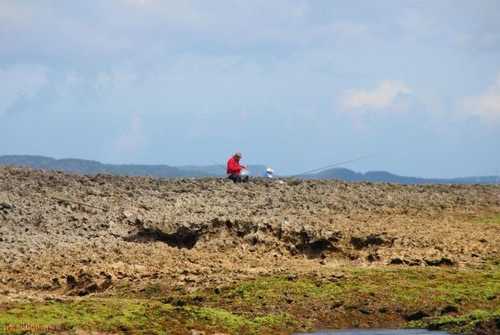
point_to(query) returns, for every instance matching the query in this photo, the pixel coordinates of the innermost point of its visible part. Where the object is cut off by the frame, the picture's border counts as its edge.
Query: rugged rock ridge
(53, 226)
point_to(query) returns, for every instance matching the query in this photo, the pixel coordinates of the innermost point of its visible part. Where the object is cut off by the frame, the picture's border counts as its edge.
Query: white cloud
(486, 106)
(20, 82)
(381, 97)
(104, 31)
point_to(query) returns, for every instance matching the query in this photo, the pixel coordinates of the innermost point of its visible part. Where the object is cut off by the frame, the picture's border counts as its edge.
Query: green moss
(490, 219)
(275, 321)
(276, 288)
(269, 304)
(447, 286)
(462, 324)
(239, 324)
(215, 316)
(410, 287)
(136, 316)
(101, 314)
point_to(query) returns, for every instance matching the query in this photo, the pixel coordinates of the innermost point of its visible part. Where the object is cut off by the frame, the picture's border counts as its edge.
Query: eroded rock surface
(55, 226)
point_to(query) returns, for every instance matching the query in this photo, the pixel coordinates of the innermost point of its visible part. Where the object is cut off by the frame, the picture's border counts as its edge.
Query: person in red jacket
(234, 169)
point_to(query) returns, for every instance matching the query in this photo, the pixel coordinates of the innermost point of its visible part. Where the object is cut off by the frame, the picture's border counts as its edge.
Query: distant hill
(90, 167)
(383, 176)
(93, 167)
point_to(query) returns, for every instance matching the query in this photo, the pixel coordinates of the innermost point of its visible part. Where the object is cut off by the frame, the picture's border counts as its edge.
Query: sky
(292, 84)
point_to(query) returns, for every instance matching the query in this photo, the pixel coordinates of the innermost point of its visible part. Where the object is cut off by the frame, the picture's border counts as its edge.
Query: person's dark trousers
(237, 178)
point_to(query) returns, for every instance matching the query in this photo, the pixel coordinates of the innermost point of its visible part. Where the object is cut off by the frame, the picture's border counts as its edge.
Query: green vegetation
(493, 219)
(408, 287)
(135, 316)
(102, 314)
(238, 324)
(459, 324)
(271, 305)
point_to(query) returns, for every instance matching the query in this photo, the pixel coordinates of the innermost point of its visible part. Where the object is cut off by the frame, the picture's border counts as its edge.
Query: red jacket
(233, 166)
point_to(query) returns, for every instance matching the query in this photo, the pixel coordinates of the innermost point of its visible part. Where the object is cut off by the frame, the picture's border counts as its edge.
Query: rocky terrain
(65, 238)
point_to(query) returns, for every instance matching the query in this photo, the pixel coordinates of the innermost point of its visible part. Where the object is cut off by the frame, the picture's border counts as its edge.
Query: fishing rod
(332, 165)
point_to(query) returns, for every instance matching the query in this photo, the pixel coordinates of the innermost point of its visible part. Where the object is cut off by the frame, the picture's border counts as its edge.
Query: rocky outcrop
(54, 225)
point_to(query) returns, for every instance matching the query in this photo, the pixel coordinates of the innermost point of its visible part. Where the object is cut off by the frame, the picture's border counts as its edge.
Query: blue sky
(292, 84)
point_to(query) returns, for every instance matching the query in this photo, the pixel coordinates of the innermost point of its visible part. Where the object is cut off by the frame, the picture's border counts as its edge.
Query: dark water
(376, 332)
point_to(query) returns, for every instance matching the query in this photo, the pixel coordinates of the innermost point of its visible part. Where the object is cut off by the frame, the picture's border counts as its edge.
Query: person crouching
(234, 169)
